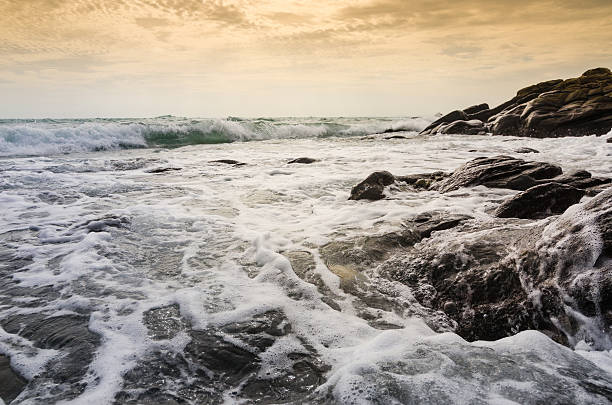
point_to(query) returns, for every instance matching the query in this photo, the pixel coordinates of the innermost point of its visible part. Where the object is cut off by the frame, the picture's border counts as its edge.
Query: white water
(209, 238)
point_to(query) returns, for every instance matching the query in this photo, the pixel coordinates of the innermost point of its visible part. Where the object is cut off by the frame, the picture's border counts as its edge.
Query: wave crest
(48, 137)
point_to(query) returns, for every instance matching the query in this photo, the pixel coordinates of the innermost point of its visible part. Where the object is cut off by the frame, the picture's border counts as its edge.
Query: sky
(251, 58)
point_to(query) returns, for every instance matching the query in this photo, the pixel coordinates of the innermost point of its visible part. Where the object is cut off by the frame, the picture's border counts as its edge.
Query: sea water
(180, 285)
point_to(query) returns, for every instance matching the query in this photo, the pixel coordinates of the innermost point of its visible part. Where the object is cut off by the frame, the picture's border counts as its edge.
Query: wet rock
(228, 162)
(498, 172)
(422, 180)
(395, 137)
(303, 160)
(372, 188)
(159, 170)
(495, 279)
(526, 150)
(540, 201)
(573, 107)
(11, 383)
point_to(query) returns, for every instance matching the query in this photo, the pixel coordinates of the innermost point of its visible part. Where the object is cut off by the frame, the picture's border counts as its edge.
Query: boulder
(573, 107)
(372, 188)
(540, 201)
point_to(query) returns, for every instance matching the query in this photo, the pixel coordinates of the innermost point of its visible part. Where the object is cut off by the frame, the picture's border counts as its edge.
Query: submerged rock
(540, 201)
(159, 170)
(573, 107)
(303, 160)
(228, 162)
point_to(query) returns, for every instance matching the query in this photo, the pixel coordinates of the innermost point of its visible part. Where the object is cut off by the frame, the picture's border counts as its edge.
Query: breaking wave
(49, 137)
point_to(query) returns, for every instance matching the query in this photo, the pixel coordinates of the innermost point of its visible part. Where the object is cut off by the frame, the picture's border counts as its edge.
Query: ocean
(177, 260)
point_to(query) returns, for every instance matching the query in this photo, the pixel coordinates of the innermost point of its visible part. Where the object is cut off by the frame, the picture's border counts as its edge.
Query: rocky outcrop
(493, 172)
(540, 201)
(495, 280)
(573, 107)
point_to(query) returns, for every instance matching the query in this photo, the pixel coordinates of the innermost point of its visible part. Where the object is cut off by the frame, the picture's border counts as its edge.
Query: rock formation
(573, 107)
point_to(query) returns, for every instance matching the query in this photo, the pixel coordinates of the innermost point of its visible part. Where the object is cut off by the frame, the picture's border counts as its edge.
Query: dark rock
(526, 150)
(158, 170)
(498, 172)
(422, 180)
(396, 137)
(471, 127)
(573, 107)
(372, 187)
(476, 108)
(453, 116)
(580, 179)
(540, 201)
(228, 162)
(303, 160)
(495, 280)
(12, 383)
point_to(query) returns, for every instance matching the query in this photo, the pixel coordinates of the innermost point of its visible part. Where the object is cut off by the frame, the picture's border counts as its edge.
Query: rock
(303, 160)
(526, 150)
(422, 180)
(470, 127)
(372, 188)
(580, 179)
(540, 201)
(396, 137)
(495, 280)
(573, 107)
(498, 172)
(158, 170)
(453, 116)
(12, 383)
(476, 108)
(228, 162)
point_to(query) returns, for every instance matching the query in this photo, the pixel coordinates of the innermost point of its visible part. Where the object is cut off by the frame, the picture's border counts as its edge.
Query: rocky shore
(573, 107)
(518, 271)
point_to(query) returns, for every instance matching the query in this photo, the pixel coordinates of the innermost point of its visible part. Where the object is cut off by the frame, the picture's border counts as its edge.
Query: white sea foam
(211, 239)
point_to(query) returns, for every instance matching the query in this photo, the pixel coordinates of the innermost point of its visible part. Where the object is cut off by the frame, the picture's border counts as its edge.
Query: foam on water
(213, 241)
